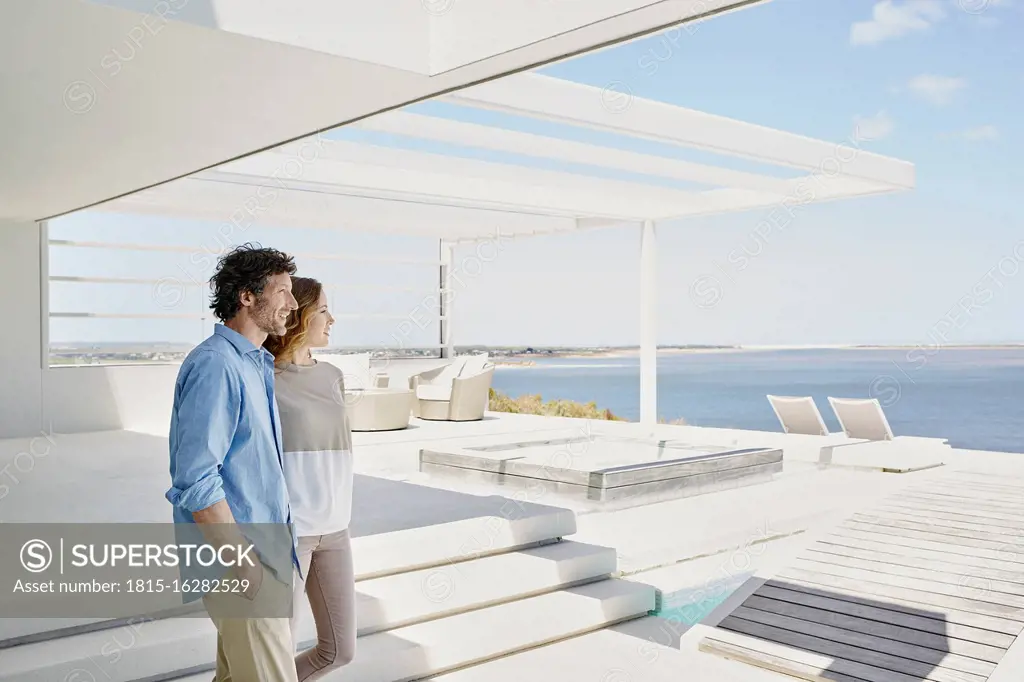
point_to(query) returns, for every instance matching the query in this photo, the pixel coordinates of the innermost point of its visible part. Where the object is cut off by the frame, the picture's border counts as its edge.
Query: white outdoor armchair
(459, 391)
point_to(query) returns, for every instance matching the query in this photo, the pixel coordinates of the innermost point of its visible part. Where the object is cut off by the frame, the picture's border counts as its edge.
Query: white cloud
(868, 128)
(892, 20)
(981, 133)
(938, 90)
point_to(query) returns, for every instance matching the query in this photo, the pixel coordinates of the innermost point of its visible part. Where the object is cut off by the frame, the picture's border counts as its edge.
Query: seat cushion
(434, 391)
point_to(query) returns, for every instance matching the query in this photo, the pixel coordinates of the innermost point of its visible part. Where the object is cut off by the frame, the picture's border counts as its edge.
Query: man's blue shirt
(225, 437)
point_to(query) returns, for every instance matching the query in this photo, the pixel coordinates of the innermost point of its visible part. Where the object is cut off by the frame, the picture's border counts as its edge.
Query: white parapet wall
(137, 397)
(35, 398)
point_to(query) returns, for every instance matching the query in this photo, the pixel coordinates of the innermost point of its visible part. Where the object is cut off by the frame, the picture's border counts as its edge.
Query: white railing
(203, 314)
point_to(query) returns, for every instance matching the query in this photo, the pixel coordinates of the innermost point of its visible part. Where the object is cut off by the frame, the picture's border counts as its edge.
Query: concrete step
(519, 525)
(380, 554)
(642, 650)
(142, 650)
(398, 600)
(468, 639)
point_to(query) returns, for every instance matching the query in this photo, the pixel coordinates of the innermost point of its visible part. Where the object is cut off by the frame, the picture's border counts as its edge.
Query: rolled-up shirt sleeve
(207, 406)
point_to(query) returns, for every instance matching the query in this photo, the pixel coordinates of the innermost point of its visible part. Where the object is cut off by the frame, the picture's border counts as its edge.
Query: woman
(318, 471)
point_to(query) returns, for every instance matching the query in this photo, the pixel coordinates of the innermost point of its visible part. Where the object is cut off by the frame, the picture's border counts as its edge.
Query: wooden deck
(929, 585)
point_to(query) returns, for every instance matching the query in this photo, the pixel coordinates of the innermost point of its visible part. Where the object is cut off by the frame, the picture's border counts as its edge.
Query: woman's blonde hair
(306, 291)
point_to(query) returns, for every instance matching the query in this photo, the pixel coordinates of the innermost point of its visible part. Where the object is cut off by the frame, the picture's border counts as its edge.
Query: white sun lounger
(798, 415)
(866, 440)
(861, 418)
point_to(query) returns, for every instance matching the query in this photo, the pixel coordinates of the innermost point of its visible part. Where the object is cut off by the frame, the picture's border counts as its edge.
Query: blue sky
(939, 83)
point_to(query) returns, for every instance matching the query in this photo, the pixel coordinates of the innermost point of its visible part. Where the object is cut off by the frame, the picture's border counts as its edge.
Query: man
(225, 448)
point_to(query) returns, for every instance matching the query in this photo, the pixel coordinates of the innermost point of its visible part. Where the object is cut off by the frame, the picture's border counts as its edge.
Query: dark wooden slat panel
(825, 647)
(849, 591)
(884, 629)
(925, 600)
(809, 598)
(934, 657)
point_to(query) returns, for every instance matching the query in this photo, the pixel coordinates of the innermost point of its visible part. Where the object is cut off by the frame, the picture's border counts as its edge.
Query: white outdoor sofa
(458, 391)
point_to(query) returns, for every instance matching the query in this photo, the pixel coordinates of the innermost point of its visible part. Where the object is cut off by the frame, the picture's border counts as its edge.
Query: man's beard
(266, 318)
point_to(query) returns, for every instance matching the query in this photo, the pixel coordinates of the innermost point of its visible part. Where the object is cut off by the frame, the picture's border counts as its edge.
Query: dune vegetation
(535, 404)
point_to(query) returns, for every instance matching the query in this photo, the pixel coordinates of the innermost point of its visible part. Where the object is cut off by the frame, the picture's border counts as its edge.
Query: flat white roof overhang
(101, 98)
(364, 186)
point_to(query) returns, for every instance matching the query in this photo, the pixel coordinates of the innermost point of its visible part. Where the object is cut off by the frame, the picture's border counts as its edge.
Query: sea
(972, 397)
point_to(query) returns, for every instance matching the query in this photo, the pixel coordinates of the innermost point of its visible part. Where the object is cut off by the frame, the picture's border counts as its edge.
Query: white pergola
(386, 189)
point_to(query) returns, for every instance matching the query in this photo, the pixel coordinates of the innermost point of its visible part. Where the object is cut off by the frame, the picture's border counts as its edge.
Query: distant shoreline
(633, 352)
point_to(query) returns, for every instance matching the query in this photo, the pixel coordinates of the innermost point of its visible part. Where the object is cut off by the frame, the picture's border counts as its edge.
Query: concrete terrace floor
(674, 545)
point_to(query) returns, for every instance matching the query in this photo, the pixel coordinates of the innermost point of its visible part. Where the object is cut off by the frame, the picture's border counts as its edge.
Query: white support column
(21, 344)
(445, 296)
(648, 325)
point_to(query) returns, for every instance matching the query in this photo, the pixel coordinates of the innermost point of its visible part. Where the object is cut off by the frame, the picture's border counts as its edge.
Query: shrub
(534, 404)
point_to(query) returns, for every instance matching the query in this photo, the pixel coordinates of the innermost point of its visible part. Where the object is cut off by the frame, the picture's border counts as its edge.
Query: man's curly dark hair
(245, 268)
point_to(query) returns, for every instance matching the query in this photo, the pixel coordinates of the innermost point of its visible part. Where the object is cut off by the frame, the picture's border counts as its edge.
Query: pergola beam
(236, 206)
(568, 151)
(359, 167)
(553, 99)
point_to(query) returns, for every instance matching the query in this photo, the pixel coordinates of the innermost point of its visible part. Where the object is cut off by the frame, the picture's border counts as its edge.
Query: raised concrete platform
(601, 468)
